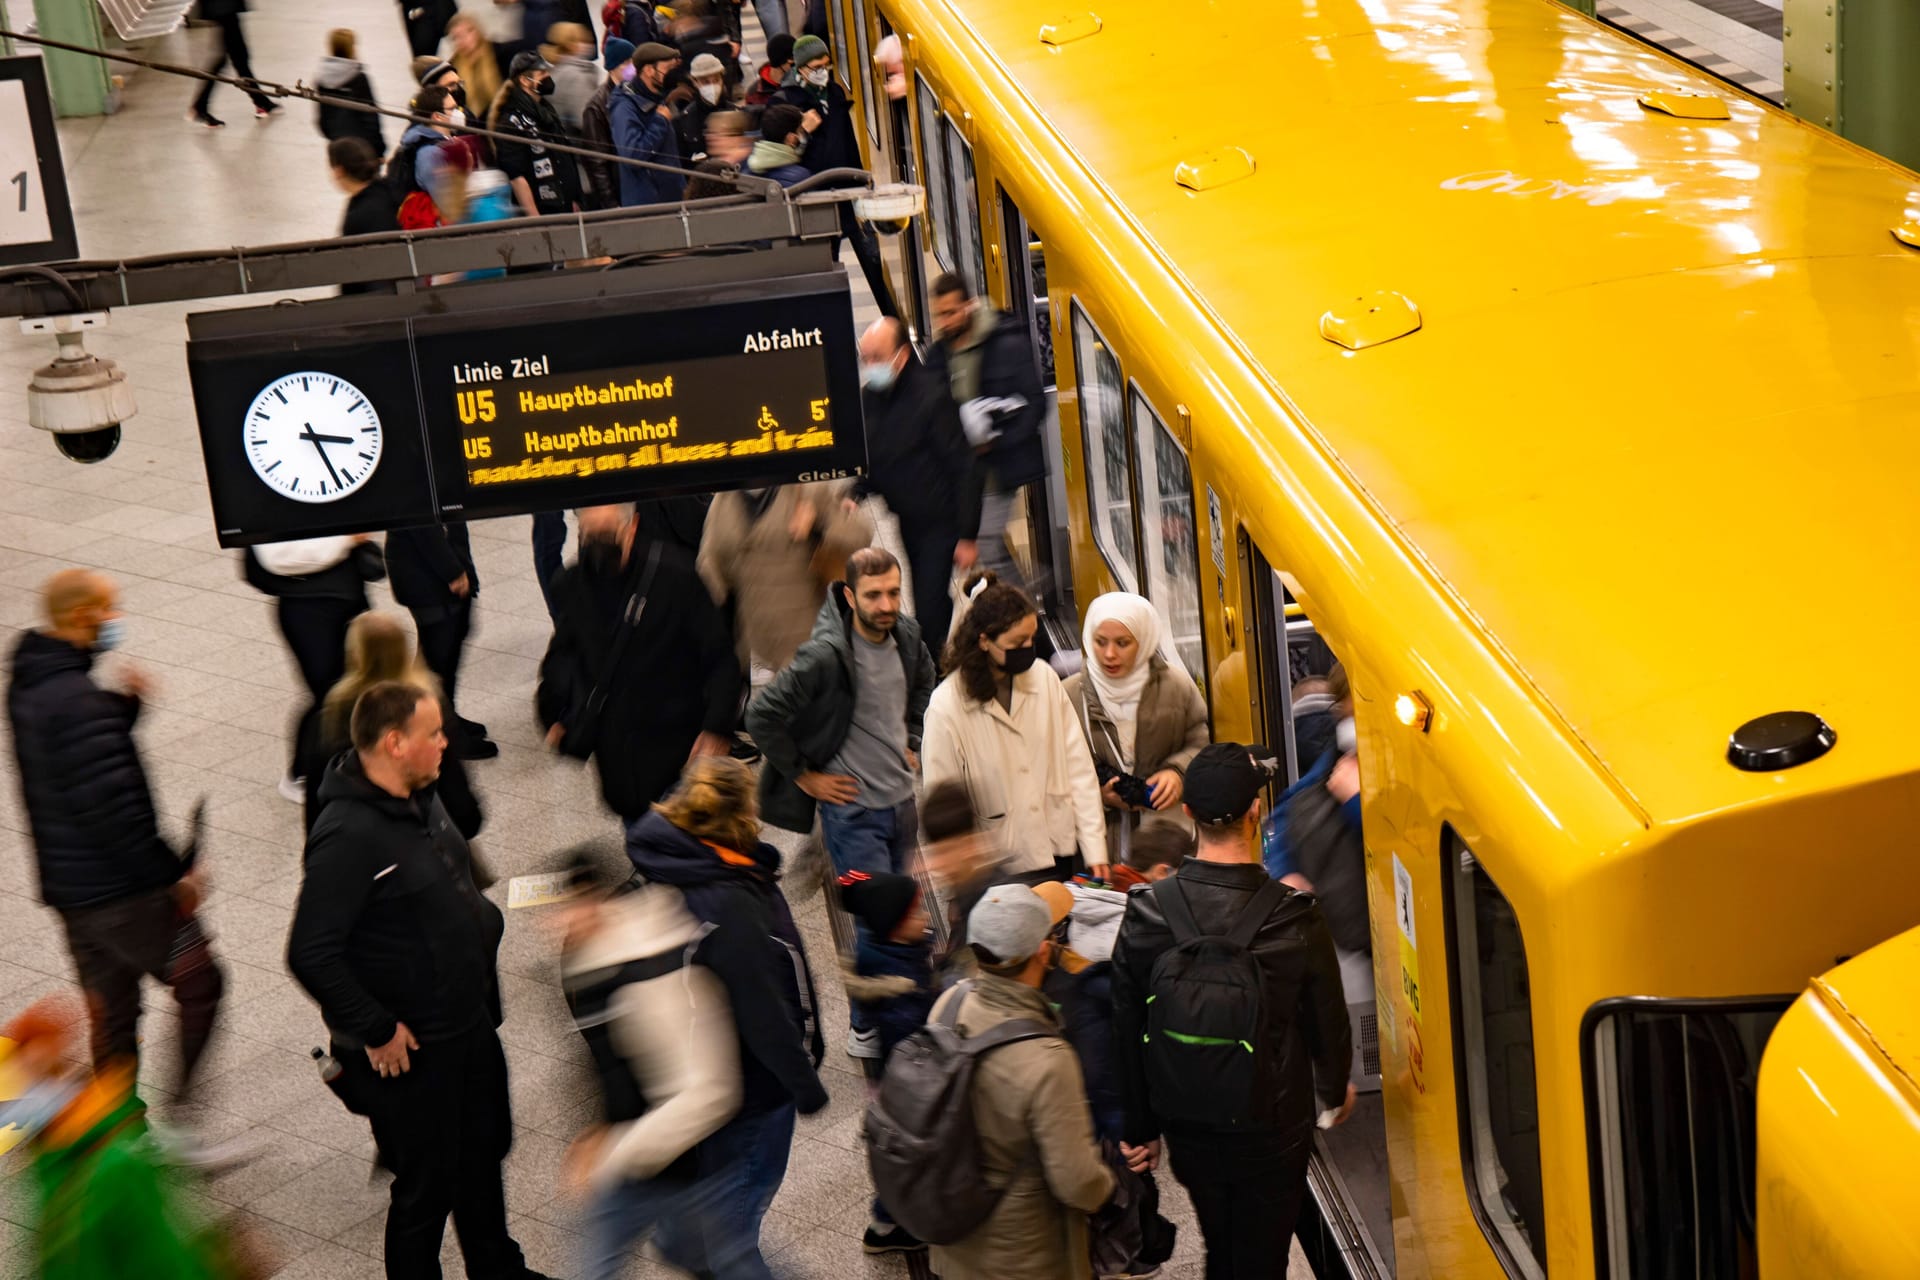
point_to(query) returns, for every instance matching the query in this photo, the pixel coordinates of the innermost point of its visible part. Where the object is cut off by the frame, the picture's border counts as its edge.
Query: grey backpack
(922, 1147)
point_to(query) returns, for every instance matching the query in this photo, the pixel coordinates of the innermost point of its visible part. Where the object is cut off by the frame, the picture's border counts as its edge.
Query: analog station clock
(313, 437)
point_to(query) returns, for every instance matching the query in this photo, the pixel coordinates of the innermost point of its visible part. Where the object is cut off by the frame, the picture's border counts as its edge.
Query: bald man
(919, 461)
(126, 897)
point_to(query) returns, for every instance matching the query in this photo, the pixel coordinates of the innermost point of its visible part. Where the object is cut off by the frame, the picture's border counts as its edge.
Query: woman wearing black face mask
(1001, 725)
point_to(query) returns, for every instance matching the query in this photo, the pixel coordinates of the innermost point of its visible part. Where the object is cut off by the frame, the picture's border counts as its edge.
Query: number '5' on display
(820, 410)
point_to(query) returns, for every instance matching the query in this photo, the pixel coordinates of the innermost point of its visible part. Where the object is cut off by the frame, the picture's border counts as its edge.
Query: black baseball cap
(1226, 778)
(525, 63)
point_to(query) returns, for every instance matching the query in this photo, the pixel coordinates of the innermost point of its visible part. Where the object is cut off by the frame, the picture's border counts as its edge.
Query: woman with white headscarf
(1142, 715)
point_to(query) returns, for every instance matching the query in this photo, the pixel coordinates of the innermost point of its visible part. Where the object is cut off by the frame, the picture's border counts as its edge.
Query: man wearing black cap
(642, 115)
(544, 180)
(1232, 1083)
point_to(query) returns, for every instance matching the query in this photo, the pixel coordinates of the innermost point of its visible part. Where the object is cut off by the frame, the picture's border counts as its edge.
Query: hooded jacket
(800, 720)
(778, 161)
(1001, 348)
(95, 836)
(575, 81)
(402, 169)
(347, 78)
(754, 949)
(389, 926)
(748, 555)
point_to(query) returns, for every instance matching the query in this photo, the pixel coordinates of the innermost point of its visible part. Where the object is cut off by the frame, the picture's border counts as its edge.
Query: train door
(1349, 1231)
(891, 120)
(1037, 534)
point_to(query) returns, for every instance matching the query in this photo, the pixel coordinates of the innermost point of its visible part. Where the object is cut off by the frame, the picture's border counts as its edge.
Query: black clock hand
(308, 434)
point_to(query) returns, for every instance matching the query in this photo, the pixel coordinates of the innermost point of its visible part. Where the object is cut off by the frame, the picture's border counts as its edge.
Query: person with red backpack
(1230, 1023)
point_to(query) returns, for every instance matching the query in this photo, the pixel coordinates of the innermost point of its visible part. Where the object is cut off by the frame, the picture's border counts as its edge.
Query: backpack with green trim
(1209, 1045)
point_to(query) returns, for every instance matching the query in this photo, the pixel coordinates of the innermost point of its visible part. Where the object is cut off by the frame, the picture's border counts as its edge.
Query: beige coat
(767, 573)
(1169, 732)
(1036, 1140)
(1026, 768)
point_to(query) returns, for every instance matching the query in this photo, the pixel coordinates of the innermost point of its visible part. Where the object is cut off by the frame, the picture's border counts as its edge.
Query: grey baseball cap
(1011, 921)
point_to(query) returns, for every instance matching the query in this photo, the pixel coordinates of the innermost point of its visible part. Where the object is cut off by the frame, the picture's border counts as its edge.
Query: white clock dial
(313, 437)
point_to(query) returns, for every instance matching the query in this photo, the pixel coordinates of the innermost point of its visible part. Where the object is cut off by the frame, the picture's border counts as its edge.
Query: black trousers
(233, 49)
(866, 248)
(426, 21)
(315, 629)
(1246, 1219)
(443, 639)
(443, 1128)
(930, 557)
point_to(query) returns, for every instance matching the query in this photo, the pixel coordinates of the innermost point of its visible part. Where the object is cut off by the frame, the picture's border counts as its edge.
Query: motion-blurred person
(777, 154)
(576, 73)
(918, 460)
(1313, 841)
(435, 579)
(342, 76)
(667, 1055)
(225, 14)
(707, 74)
(472, 55)
(640, 674)
(1142, 714)
(318, 585)
(379, 651)
(774, 72)
(126, 899)
(544, 180)
(426, 21)
(841, 727)
(772, 554)
(1001, 723)
(642, 115)
(704, 840)
(699, 32)
(995, 380)
(887, 55)
(1239, 1129)
(962, 863)
(418, 158)
(1029, 1107)
(727, 141)
(601, 190)
(397, 946)
(371, 204)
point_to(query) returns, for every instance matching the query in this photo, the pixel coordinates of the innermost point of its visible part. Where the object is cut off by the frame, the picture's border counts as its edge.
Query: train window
(1671, 1119)
(1493, 1038)
(934, 166)
(1103, 425)
(842, 65)
(966, 211)
(872, 80)
(1170, 542)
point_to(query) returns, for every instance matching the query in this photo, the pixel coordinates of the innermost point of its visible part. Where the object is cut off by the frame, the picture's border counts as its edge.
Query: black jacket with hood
(917, 454)
(800, 721)
(347, 78)
(1015, 457)
(389, 926)
(95, 835)
(754, 948)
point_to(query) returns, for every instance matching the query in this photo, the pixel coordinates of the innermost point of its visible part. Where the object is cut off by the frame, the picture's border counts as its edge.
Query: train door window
(842, 64)
(965, 203)
(872, 81)
(1493, 1037)
(1291, 679)
(1672, 1128)
(1103, 426)
(934, 167)
(1033, 527)
(1169, 536)
(906, 168)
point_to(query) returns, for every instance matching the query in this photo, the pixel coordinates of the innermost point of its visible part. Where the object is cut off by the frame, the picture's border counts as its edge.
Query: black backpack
(922, 1147)
(1209, 1041)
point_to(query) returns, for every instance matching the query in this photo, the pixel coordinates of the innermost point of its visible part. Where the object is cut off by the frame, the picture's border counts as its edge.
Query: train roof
(1659, 432)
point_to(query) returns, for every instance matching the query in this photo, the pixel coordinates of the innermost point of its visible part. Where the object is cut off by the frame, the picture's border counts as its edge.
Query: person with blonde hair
(704, 839)
(473, 56)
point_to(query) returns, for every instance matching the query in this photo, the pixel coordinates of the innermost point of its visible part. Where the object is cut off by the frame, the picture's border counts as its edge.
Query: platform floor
(144, 181)
(1738, 40)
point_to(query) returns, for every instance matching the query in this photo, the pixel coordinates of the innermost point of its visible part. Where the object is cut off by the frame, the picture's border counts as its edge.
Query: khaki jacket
(1171, 729)
(1036, 1140)
(769, 576)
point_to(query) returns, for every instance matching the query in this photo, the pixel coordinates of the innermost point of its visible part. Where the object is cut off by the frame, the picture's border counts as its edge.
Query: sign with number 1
(36, 222)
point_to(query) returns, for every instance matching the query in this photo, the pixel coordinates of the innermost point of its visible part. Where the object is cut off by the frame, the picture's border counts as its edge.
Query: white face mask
(817, 76)
(1345, 736)
(711, 92)
(457, 118)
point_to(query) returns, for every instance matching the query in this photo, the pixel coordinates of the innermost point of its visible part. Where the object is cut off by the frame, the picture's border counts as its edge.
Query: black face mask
(546, 88)
(600, 557)
(459, 93)
(1018, 660)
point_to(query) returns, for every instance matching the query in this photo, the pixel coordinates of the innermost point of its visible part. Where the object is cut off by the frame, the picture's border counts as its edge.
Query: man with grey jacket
(840, 728)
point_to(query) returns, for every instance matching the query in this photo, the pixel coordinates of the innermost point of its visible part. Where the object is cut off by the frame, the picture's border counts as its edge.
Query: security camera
(891, 208)
(82, 399)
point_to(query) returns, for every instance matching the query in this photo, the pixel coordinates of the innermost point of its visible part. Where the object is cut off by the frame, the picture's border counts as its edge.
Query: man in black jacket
(127, 899)
(672, 690)
(1246, 1172)
(918, 460)
(543, 180)
(434, 578)
(396, 944)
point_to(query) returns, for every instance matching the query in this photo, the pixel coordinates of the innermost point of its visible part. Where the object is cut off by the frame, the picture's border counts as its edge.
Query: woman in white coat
(1001, 725)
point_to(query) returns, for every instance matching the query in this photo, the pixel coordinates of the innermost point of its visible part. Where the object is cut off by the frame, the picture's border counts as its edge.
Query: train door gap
(905, 248)
(1347, 1230)
(1038, 534)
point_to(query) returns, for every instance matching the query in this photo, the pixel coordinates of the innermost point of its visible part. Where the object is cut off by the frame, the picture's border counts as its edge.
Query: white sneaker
(863, 1044)
(293, 790)
(185, 1149)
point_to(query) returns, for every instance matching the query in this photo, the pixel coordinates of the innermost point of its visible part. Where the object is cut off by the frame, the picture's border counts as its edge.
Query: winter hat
(779, 50)
(880, 900)
(706, 65)
(435, 68)
(618, 51)
(807, 48)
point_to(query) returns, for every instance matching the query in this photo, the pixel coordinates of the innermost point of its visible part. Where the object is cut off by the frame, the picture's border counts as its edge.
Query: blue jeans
(869, 840)
(705, 1237)
(747, 1159)
(549, 542)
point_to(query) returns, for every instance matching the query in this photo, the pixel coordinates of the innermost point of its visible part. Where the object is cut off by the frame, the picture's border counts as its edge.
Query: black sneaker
(472, 728)
(477, 748)
(205, 119)
(890, 1239)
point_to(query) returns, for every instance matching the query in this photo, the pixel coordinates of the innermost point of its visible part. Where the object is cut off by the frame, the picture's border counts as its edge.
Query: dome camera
(891, 208)
(82, 399)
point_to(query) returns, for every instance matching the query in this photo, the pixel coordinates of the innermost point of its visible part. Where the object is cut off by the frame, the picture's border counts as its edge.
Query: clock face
(313, 437)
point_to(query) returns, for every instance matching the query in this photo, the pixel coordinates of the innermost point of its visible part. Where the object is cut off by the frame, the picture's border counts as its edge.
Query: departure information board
(521, 401)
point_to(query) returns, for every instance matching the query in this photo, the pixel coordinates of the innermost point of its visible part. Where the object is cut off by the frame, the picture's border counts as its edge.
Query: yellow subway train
(1569, 397)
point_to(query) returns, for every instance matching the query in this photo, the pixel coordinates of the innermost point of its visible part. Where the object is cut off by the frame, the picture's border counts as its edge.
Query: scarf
(1120, 695)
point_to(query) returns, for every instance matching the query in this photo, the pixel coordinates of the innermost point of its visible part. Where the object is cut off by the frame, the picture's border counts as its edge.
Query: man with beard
(544, 180)
(840, 727)
(640, 674)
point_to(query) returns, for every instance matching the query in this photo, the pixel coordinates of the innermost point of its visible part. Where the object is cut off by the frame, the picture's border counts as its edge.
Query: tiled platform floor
(144, 182)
